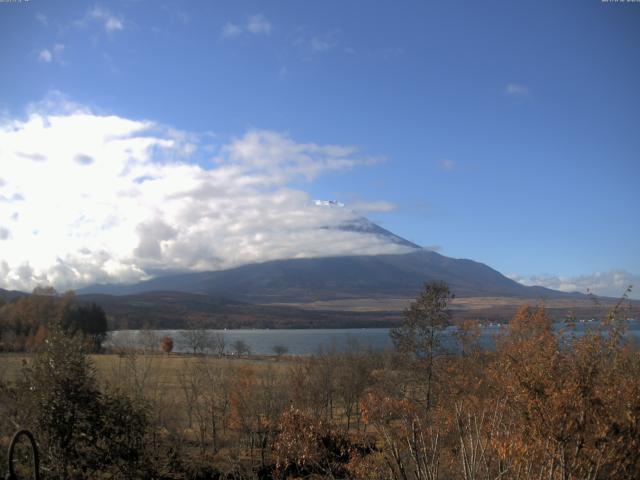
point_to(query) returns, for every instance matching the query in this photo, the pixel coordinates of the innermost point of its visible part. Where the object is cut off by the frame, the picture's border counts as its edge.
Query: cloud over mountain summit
(88, 197)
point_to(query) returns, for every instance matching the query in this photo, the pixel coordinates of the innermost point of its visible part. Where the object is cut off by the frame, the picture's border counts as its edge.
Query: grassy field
(166, 368)
(482, 309)
(398, 304)
(178, 393)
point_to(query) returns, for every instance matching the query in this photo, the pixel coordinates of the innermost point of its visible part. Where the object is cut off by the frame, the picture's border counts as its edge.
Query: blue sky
(504, 132)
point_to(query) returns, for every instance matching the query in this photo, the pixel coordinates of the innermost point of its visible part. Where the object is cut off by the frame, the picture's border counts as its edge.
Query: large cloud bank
(88, 198)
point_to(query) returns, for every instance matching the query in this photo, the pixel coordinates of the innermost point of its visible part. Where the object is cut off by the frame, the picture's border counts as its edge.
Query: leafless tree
(197, 337)
(353, 377)
(240, 347)
(220, 344)
(280, 350)
(148, 340)
(419, 336)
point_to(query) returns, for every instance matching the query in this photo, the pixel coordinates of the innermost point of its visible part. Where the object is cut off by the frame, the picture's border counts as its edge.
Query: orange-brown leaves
(166, 344)
(568, 396)
(298, 440)
(306, 446)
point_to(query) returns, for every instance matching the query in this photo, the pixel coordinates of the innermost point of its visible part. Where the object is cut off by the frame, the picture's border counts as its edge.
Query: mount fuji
(340, 277)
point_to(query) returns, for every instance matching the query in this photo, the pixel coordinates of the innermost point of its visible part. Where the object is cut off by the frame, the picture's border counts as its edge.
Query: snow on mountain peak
(328, 203)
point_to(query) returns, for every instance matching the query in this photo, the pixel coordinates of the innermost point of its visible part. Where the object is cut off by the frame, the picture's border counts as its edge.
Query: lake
(310, 341)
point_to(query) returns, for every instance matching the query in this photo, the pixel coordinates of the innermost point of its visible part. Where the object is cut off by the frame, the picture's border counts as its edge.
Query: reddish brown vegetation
(166, 344)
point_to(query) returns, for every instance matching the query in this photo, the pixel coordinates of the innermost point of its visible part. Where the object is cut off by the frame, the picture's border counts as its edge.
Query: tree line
(26, 320)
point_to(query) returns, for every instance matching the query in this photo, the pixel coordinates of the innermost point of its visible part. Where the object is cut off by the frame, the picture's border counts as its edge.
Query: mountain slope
(308, 279)
(364, 225)
(8, 295)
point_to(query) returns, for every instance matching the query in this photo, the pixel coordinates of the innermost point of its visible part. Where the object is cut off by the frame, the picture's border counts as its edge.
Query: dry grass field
(398, 304)
(180, 389)
(482, 309)
(167, 368)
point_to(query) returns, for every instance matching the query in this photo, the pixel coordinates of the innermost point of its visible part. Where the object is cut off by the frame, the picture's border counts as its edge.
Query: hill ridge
(322, 278)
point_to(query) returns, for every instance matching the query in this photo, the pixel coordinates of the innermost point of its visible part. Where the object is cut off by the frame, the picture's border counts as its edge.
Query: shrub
(166, 344)
(80, 429)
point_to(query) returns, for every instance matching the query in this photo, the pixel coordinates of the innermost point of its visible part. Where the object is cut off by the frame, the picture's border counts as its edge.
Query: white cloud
(322, 43)
(42, 19)
(110, 22)
(256, 25)
(517, 90)
(113, 24)
(54, 53)
(259, 25)
(610, 284)
(230, 30)
(45, 56)
(98, 198)
(309, 43)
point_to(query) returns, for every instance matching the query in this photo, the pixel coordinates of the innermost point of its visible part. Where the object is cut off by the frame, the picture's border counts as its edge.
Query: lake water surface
(310, 341)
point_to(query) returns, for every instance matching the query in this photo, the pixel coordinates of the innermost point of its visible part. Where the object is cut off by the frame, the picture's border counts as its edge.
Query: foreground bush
(82, 431)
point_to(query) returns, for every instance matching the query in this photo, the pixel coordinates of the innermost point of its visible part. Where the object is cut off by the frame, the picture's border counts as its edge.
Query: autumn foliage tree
(305, 447)
(25, 320)
(574, 399)
(166, 344)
